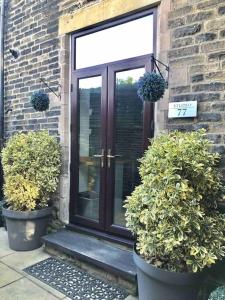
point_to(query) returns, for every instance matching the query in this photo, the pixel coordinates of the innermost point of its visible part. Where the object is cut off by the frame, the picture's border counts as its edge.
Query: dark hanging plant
(151, 87)
(40, 101)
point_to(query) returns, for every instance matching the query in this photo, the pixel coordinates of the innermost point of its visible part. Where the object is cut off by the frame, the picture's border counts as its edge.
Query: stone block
(209, 4)
(215, 138)
(185, 51)
(164, 45)
(180, 90)
(64, 209)
(215, 24)
(209, 117)
(187, 30)
(200, 97)
(201, 16)
(213, 46)
(219, 149)
(197, 78)
(218, 106)
(181, 11)
(188, 127)
(64, 56)
(102, 11)
(182, 42)
(213, 86)
(221, 10)
(189, 60)
(222, 33)
(205, 37)
(178, 76)
(217, 55)
(176, 22)
(215, 75)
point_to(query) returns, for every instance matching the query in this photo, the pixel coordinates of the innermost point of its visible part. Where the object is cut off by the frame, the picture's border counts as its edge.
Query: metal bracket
(155, 66)
(46, 84)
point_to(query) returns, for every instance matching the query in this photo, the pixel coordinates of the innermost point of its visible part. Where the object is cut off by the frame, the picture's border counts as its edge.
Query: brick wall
(197, 61)
(32, 29)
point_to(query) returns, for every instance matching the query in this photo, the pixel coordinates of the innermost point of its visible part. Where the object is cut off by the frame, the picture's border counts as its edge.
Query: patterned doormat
(73, 282)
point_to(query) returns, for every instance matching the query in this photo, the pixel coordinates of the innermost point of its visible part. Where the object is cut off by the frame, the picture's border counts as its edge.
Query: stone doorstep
(94, 256)
(14, 281)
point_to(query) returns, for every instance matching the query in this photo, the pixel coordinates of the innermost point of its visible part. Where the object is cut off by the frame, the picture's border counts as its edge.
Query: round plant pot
(158, 284)
(25, 228)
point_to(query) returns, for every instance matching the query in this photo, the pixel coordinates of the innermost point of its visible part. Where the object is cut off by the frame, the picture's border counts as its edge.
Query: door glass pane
(128, 138)
(123, 41)
(89, 146)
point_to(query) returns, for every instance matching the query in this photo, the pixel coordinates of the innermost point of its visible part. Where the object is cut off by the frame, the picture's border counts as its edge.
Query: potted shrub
(173, 214)
(31, 166)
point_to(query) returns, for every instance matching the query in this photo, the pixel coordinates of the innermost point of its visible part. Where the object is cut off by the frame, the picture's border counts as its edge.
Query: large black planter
(158, 284)
(1, 217)
(25, 228)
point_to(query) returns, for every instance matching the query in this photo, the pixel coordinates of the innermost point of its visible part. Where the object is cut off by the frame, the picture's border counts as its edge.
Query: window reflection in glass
(128, 138)
(89, 145)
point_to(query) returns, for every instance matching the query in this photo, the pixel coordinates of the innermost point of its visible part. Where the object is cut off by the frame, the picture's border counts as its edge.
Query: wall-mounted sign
(183, 109)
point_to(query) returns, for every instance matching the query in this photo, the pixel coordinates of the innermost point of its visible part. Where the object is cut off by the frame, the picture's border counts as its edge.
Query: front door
(110, 130)
(110, 124)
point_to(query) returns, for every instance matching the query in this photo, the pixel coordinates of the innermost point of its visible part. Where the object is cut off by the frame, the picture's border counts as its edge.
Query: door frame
(112, 233)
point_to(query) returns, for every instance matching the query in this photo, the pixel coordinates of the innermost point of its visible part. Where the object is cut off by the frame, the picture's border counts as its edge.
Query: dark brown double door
(110, 130)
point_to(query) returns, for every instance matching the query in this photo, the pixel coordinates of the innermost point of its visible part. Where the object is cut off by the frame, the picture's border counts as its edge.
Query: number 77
(180, 111)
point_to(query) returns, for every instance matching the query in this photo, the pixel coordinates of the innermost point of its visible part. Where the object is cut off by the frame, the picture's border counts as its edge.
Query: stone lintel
(105, 10)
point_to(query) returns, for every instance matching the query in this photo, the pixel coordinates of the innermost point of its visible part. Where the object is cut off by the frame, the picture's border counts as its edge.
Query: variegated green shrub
(31, 165)
(173, 211)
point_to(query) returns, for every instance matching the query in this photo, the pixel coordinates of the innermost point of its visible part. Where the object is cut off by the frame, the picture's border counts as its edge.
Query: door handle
(101, 156)
(110, 156)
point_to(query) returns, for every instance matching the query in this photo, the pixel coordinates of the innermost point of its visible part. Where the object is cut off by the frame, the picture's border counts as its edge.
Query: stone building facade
(190, 39)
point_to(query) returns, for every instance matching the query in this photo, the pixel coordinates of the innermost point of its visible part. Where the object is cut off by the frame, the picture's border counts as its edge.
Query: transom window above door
(130, 39)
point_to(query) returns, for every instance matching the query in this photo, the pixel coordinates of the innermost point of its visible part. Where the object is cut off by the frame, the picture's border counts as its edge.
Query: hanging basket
(40, 101)
(151, 87)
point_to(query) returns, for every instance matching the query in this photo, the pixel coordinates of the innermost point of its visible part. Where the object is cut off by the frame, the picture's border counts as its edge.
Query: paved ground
(17, 285)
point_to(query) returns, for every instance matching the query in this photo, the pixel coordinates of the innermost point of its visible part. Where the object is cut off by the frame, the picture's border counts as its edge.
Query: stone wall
(32, 29)
(197, 64)
(190, 37)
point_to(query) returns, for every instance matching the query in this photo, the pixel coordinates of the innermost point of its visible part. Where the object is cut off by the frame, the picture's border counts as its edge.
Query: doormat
(73, 282)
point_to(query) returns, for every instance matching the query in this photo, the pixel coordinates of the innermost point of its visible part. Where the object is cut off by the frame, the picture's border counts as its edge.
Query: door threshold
(102, 235)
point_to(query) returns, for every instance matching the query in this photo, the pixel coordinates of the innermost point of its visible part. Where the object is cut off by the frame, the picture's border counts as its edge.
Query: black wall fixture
(14, 53)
